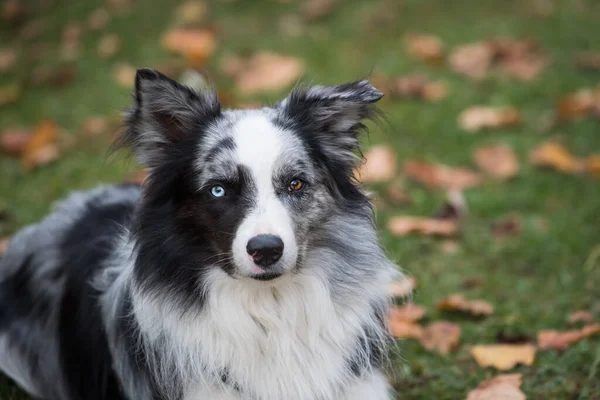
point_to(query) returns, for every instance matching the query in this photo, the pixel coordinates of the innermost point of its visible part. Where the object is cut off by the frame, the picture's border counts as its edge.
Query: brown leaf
(454, 208)
(94, 126)
(472, 60)
(397, 196)
(427, 48)
(9, 94)
(503, 356)
(72, 32)
(475, 118)
(13, 11)
(418, 87)
(41, 149)
(190, 12)
(593, 165)
(589, 61)
(435, 91)
(457, 302)
(408, 312)
(124, 75)
(8, 59)
(232, 65)
(402, 288)
(405, 329)
(497, 161)
(196, 45)
(13, 142)
(402, 226)
(501, 387)
(121, 7)
(441, 176)
(580, 316)
(556, 156)
(380, 165)
(109, 45)
(525, 68)
(442, 336)
(268, 72)
(3, 244)
(316, 9)
(98, 19)
(577, 104)
(507, 226)
(549, 339)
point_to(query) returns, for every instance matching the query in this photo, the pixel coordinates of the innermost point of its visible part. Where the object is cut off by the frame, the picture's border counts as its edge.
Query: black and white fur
(149, 293)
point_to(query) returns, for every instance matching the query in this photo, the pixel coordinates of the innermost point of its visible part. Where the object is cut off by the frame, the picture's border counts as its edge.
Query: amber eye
(295, 185)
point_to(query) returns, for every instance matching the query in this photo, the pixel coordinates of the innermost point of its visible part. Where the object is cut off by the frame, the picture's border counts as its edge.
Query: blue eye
(217, 191)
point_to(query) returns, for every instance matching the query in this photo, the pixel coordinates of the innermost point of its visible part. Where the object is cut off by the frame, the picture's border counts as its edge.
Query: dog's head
(242, 190)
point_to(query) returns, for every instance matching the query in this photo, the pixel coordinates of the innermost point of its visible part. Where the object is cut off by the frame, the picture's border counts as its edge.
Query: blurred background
(486, 172)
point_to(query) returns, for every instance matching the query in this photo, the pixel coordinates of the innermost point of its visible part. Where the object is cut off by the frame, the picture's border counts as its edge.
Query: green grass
(534, 279)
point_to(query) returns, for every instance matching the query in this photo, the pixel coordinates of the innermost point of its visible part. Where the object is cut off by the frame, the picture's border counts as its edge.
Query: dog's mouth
(266, 276)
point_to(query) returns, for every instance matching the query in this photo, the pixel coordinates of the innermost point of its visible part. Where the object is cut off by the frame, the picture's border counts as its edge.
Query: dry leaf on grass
(3, 244)
(501, 387)
(14, 141)
(454, 208)
(526, 68)
(402, 288)
(549, 339)
(405, 329)
(109, 46)
(8, 59)
(401, 226)
(95, 126)
(418, 87)
(497, 161)
(408, 312)
(396, 196)
(503, 356)
(593, 165)
(196, 45)
(578, 104)
(268, 72)
(472, 60)
(588, 61)
(556, 156)
(316, 9)
(427, 48)
(190, 12)
(98, 19)
(379, 165)
(580, 316)
(474, 119)
(441, 336)
(441, 176)
(457, 302)
(41, 148)
(124, 75)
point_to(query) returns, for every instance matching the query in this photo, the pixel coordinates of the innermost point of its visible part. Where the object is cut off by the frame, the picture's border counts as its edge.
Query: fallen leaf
(501, 387)
(94, 126)
(588, 61)
(190, 12)
(556, 156)
(380, 165)
(580, 316)
(121, 7)
(402, 288)
(41, 148)
(9, 94)
(316, 9)
(435, 91)
(109, 45)
(405, 329)
(397, 196)
(8, 59)
(499, 161)
(4, 245)
(455, 206)
(475, 118)
(472, 60)
(427, 48)
(593, 165)
(14, 141)
(504, 356)
(577, 104)
(13, 11)
(268, 72)
(402, 226)
(525, 68)
(450, 246)
(441, 176)
(72, 32)
(441, 336)
(507, 226)
(124, 74)
(506, 48)
(408, 312)
(472, 282)
(232, 65)
(549, 339)
(196, 45)
(457, 302)
(418, 87)
(98, 19)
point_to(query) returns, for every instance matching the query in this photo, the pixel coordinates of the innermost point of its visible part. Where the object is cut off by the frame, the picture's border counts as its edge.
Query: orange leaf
(124, 74)
(14, 141)
(401, 226)
(405, 329)
(580, 316)
(503, 356)
(576, 105)
(408, 312)
(268, 72)
(497, 161)
(197, 45)
(472, 60)
(549, 339)
(441, 176)
(416, 86)
(501, 387)
(593, 165)
(556, 156)
(380, 165)
(442, 336)
(457, 302)
(427, 48)
(402, 288)
(41, 149)
(476, 118)
(589, 61)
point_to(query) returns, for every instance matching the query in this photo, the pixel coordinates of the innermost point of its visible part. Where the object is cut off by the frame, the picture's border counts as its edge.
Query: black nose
(265, 249)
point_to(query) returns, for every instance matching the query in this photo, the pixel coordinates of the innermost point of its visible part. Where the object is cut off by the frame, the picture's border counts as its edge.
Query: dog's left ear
(331, 117)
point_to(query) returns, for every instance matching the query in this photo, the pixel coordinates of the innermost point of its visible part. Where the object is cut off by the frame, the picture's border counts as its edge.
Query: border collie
(247, 265)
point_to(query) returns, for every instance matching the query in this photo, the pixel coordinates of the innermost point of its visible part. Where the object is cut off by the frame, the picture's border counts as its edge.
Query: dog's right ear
(164, 112)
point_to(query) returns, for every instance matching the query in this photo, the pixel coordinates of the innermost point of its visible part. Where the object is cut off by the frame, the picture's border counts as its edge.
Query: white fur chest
(283, 341)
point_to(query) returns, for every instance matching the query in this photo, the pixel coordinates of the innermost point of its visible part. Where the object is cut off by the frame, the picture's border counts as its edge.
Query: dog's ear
(164, 113)
(331, 117)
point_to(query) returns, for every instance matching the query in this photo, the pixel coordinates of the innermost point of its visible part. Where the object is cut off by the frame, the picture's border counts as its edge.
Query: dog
(246, 266)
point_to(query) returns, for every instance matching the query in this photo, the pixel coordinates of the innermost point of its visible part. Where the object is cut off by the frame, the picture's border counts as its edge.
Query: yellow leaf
(556, 156)
(503, 356)
(41, 148)
(441, 336)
